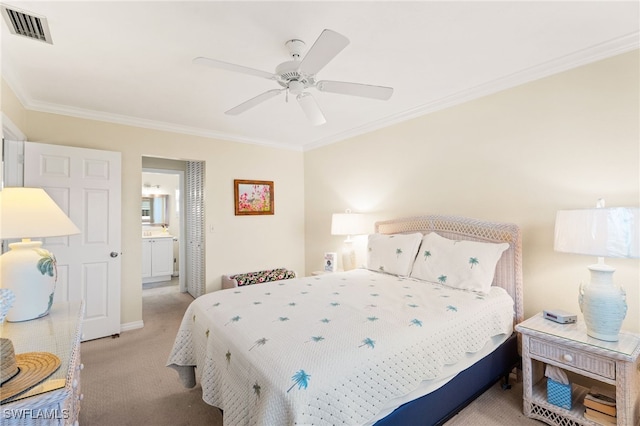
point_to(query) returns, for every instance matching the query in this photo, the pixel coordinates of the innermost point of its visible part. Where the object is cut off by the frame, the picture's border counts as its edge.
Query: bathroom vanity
(157, 258)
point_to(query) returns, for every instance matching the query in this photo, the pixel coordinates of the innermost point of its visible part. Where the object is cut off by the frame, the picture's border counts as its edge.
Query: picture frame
(253, 197)
(330, 262)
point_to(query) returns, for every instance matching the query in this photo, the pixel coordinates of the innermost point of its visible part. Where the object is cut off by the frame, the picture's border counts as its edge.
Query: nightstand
(56, 400)
(567, 346)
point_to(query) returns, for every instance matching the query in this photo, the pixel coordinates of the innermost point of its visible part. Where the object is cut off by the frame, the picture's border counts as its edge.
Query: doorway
(189, 214)
(163, 223)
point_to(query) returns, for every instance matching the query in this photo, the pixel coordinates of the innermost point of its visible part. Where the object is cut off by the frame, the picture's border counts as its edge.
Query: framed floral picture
(253, 197)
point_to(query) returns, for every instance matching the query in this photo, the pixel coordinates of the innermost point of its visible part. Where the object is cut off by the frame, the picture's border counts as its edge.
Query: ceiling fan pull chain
(286, 96)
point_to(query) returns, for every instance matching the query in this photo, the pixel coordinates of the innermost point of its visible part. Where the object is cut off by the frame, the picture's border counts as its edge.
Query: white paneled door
(86, 185)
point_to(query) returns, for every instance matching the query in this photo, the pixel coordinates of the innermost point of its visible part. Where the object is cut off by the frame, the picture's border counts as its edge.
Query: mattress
(332, 349)
(447, 374)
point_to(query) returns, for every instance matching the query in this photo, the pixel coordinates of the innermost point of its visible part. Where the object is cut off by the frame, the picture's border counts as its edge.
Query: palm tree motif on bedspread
(301, 378)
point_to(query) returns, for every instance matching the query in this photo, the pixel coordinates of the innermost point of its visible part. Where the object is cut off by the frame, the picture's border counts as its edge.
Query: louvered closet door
(195, 228)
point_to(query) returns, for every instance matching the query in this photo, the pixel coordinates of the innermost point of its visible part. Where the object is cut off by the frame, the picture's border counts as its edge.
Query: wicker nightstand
(567, 346)
(55, 401)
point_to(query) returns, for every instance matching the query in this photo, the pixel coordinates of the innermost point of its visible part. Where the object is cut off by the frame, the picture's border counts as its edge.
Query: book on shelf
(600, 406)
(603, 407)
(601, 399)
(600, 417)
(605, 396)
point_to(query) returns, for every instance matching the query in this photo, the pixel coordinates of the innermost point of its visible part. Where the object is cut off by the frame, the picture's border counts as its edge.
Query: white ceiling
(131, 62)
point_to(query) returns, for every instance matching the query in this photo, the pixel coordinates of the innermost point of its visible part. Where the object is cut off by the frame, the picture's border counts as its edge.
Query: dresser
(567, 346)
(56, 401)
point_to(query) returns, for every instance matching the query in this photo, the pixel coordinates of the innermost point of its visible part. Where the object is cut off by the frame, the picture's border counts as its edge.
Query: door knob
(114, 254)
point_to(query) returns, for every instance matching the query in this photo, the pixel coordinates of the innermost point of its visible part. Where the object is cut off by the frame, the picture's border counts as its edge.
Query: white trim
(10, 131)
(131, 326)
(546, 69)
(150, 124)
(591, 54)
(13, 163)
(12, 147)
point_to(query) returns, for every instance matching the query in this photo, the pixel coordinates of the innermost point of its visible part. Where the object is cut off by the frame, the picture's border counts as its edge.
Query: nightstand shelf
(568, 347)
(544, 410)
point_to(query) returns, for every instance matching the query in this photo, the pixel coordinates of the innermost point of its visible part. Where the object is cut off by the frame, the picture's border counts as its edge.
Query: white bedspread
(330, 349)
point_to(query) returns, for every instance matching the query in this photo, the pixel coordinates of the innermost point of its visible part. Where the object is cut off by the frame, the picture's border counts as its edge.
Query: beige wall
(516, 156)
(236, 243)
(11, 107)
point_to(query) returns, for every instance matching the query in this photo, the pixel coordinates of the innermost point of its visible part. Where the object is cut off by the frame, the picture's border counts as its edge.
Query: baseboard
(131, 326)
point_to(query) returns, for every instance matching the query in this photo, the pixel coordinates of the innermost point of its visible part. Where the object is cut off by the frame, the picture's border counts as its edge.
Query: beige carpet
(125, 381)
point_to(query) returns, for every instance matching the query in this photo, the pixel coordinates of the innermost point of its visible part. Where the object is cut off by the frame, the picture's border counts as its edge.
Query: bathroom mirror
(155, 209)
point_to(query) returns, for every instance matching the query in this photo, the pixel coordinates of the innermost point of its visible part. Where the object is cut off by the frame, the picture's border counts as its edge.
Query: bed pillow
(393, 254)
(466, 265)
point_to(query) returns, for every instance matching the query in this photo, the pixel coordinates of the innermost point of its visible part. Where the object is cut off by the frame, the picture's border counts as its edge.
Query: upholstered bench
(249, 278)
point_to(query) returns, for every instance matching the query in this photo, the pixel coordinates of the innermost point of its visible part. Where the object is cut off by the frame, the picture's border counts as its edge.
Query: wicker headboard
(509, 268)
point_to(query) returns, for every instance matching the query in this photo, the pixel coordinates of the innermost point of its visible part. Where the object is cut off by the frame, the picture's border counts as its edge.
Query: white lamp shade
(31, 213)
(602, 232)
(348, 224)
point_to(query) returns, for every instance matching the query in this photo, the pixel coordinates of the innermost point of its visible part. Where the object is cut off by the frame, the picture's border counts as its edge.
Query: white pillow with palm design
(392, 254)
(466, 265)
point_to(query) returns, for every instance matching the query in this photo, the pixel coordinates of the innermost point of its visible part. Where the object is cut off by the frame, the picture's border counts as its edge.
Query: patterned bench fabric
(263, 276)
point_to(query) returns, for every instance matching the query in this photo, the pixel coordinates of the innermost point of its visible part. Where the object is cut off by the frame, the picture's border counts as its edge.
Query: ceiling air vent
(27, 24)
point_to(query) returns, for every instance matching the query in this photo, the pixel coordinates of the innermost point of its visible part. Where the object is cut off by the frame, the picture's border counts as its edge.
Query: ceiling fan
(296, 76)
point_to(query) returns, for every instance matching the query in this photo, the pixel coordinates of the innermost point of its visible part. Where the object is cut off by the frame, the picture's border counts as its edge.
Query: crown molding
(576, 59)
(150, 124)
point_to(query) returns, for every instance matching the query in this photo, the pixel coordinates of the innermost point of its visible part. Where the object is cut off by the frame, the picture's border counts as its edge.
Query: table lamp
(27, 269)
(601, 232)
(348, 224)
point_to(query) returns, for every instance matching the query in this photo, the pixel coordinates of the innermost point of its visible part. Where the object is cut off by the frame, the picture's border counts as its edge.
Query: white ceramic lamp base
(348, 256)
(603, 304)
(30, 272)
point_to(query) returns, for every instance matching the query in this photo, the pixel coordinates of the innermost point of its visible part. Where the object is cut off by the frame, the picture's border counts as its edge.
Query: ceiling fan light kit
(296, 76)
(311, 109)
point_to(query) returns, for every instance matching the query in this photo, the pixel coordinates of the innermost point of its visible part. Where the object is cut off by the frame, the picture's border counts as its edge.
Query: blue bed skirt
(442, 404)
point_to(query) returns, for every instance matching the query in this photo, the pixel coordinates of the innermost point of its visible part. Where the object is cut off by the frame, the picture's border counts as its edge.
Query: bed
(398, 342)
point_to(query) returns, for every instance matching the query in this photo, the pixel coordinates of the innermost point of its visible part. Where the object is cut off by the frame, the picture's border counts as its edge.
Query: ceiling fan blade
(355, 89)
(311, 109)
(326, 47)
(214, 63)
(253, 102)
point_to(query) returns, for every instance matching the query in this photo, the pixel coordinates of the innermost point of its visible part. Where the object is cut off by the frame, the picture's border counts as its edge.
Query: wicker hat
(21, 372)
